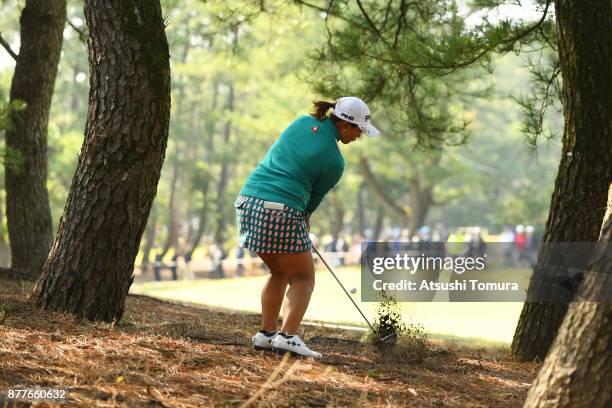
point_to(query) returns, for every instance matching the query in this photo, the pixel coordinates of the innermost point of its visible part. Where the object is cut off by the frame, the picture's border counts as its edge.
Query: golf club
(388, 339)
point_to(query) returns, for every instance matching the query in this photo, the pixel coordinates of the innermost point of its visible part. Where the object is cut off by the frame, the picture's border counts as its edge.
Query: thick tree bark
(89, 270)
(27, 200)
(577, 371)
(585, 170)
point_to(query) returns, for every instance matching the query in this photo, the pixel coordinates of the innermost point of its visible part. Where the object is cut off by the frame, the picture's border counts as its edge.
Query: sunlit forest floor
(172, 355)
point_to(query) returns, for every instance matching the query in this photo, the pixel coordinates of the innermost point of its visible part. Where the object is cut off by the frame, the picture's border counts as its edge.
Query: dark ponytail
(320, 108)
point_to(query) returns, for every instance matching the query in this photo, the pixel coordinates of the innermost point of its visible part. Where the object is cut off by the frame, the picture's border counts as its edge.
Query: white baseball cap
(354, 110)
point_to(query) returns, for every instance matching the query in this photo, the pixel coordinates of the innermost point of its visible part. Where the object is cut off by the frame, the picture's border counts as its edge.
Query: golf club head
(389, 339)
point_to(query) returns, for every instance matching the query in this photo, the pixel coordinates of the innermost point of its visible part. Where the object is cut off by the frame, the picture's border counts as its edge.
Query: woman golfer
(274, 208)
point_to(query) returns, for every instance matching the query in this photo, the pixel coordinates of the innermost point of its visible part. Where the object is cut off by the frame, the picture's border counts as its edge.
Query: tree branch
(378, 191)
(371, 23)
(304, 3)
(329, 32)
(81, 33)
(388, 9)
(504, 45)
(547, 40)
(402, 11)
(509, 43)
(536, 26)
(327, 10)
(8, 48)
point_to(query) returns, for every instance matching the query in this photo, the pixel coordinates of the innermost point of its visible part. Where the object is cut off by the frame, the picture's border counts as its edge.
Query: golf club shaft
(342, 286)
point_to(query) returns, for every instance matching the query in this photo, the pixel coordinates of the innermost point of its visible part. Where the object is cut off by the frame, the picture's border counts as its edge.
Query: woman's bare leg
(298, 270)
(272, 294)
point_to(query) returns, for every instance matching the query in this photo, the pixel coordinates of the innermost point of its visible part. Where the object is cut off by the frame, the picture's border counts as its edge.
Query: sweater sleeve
(327, 180)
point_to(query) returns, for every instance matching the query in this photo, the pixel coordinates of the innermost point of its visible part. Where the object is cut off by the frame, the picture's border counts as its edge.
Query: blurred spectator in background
(439, 233)
(157, 267)
(174, 261)
(533, 243)
(328, 243)
(395, 237)
(424, 234)
(455, 243)
(216, 256)
(476, 245)
(341, 247)
(187, 271)
(240, 258)
(507, 244)
(405, 235)
(424, 238)
(520, 244)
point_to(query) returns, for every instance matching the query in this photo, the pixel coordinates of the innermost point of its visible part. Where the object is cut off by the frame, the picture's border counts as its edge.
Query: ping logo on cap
(344, 115)
(314, 129)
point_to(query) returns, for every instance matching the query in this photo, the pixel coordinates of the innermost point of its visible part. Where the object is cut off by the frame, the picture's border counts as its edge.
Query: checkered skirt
(268, 230)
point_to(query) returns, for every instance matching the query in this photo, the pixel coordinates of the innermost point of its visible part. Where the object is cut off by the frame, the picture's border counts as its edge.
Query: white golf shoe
(293, 344)
(263, 340)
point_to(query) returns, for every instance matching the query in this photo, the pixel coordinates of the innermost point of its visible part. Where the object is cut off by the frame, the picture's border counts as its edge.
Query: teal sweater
(301, 167)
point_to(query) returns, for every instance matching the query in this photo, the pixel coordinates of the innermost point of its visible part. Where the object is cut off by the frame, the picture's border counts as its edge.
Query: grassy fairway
(480, 323)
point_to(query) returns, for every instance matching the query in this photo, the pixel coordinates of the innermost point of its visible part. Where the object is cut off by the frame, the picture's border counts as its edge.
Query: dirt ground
(172, 355)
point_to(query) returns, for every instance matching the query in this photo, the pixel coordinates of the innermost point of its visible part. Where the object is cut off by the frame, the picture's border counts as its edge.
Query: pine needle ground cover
(173, 355)
(476, 323)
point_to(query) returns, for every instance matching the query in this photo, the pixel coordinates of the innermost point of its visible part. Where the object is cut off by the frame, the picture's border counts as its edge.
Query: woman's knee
(306, 281)
(311, 285)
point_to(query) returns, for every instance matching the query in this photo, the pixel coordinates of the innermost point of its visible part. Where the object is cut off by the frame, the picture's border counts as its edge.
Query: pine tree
(89, 269)
(28, 212)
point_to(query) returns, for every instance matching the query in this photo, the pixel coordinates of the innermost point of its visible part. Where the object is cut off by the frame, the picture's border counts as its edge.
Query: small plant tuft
(412, 344)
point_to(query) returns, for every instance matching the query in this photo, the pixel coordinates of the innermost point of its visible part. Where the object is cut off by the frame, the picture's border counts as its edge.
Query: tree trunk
(421, 199)
(224, 177)
(202, 223)
(338, 220)
(204, 187)
(584, 172)
(5, 250)
(578, 370)
(173, 216)
(222, 207)
(27, 200)
(379, 224)
(360, 212)
(378, 192)
(90, 268)
(150, 233)
(196, 134)
(172, 236)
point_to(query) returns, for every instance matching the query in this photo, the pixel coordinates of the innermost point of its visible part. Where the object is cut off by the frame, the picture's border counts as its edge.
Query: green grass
(475, 323)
